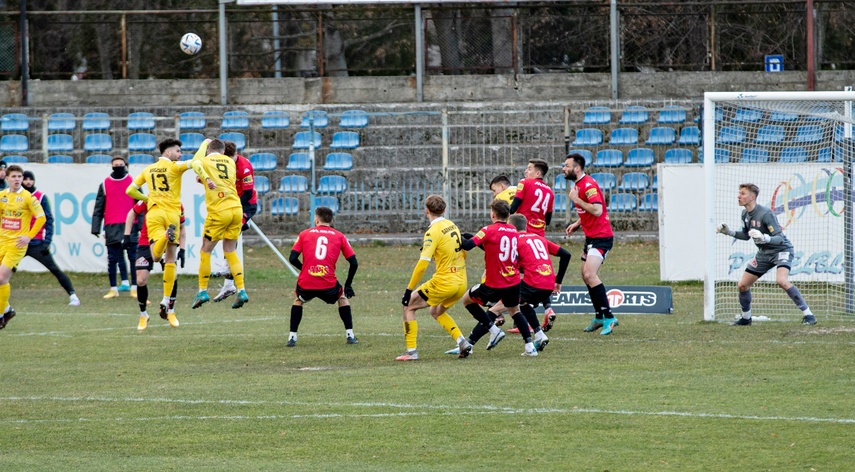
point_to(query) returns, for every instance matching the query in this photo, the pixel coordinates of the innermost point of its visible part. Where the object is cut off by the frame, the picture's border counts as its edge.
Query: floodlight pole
(613, 28)
(420, 54)
(25, 55)
(224, 55)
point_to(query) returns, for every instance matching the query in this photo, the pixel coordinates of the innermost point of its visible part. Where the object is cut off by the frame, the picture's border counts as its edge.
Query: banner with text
(623, 299)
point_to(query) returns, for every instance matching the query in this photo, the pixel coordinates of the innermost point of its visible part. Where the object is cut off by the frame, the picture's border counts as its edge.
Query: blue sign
(622, 299)
(775, 63)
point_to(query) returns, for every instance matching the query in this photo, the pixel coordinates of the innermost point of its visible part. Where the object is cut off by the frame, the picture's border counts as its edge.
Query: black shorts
(534, 296)
(329, 295)
(144, 260)
(482, 294)
(601, 245)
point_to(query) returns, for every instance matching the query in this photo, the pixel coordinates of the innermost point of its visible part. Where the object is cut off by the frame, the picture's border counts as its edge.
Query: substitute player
(599, 238)
(320, 246)
(773, 250)
(18, 207)
(442, 244)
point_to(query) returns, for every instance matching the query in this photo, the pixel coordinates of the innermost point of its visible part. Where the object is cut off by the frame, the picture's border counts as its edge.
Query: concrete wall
(355, 90)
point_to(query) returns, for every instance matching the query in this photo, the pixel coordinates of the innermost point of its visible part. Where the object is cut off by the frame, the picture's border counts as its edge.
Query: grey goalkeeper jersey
(764, 220)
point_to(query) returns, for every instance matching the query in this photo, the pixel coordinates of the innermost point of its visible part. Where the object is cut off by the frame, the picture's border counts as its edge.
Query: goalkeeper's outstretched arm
(724, 229)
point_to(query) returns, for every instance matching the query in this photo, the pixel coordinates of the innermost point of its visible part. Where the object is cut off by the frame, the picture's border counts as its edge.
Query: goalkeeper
(773, 250)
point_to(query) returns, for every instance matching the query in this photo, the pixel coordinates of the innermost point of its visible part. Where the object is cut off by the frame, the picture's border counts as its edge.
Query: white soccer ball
(191, 43)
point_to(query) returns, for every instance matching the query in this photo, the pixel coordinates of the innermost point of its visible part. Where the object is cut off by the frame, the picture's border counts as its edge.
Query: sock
(125, 282)
(529, 346)
(142, 297)
(411, 332)
(447, 322)
(292, 335)
(478, 332)
(168, 279)
(349, 333)
(479, 314)
(114, 288)
(530, 317)
(229, 283)
(346, 318)
(296, 317)
(133, 287)
(797, 298)
(143, 314)
(521, 324)
(174, 295)
(236, 269)
(158, 247)
(600, 301)
(204, 269)
(745, 303)
(5, 292)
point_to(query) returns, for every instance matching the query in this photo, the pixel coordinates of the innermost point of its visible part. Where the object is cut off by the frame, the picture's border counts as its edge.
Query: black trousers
(41, 253)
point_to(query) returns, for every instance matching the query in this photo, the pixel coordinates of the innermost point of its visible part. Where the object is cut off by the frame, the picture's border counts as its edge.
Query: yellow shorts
(10, 256)
(157, 220)
(224, 224)
(443, 292)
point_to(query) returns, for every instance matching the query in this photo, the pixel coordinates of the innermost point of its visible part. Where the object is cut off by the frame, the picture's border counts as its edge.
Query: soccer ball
(191, 43)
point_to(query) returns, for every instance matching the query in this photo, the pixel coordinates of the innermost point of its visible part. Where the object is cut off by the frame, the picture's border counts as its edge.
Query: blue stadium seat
(14, 143)
(561, 201)
(639, 157)
(655, 184)
(793, 154)
(663, 136)
(275, 119)
(678, 156)
(96, 121)
(141, 121)
(293, 184)
(60, 143)
(634, 181)
(719, 114)
(284, 206)
(808, 134)
(61, 122)
(755, 155)
(624, 137)
(649, 202)
(672, 114)
(588, 155)
(825, 155)
(328, 201)
(819, 109)
(140, 159)
(16, 159)
(588, 137)
(98, 142)
(722, 156)
(60, 159)
(338, 161)
(319, 119)
(235, 119)
(770, 134)
(609, 158)
(262, 184)
(690, 136)
(263, 161)
(783, 117)
(345, 140)
(332, 184)
(747, 115)
(142, 142)
(299, 161)
(634, 115)
(14, 123)
(606, 180)
(597, 116)
(191, 141)
(560, 184)
(622, 202)
(354, 119)
(731, 135)
(238, 138)
(303, 139)
(99, 159)
(191, 120)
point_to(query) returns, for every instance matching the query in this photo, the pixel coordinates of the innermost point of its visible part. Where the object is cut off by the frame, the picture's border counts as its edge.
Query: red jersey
(320, 247)
(244, 179)
(593, 226)
(499, 241)
(140, 208)
(537, 199)
(534, 261)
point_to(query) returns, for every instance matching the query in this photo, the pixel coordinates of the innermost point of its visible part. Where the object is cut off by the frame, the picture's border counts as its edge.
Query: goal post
(798, 148)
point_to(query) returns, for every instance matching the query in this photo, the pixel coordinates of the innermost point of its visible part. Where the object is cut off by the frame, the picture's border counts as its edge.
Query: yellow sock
(157, 249)
(168, 278)
(204, 269)
(236, 268)
(411, 332)
(5, 291)
(447, 322)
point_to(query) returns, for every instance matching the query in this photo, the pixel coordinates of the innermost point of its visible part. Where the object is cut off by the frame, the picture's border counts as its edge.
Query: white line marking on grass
(68, 333)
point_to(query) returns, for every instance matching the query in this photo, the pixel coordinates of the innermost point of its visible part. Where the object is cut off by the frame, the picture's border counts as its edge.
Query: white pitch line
(67, 333)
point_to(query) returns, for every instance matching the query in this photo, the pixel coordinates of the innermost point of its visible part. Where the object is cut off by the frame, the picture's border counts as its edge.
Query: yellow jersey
(164, 183)
(507, 195)
(220, 169)
(442, 244)
(17, 210)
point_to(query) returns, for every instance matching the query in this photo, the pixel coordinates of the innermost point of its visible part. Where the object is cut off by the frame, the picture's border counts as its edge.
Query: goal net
(797, 147)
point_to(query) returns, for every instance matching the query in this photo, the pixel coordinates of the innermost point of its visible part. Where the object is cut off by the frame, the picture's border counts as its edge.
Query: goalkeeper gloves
(724, 229)
(180, 257)
(758, 237)
(348, 292)
(126, 242)
(405, 300)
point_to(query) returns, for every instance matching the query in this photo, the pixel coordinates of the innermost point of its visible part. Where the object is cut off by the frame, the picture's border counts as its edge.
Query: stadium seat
(793, 154)
(142, 142)
(284, 206)
(263, 161)
(98, 142)
(622, 202)
(140, 159)
(722, 156)
(262, 184)
(99, 159)
(561, 201)
(14, 143)
(235, 120)
(825, 155)
(639, 157)
(672, 114)
(783, 117)
(16, 159)
(14, 123)
(690, 136)
(817, 110)
(649, 202)
(332, 184)
(624, 137)
(808, 134)
(609, 158)
(634, 181)
(588, 155)
(141, 121)
(597, 116)
(191, 141)
(61, 122)
(634, 115)
(275, 119)
(662, 136)
(678, 156)
(192, 120)
(747, 115)
(60, 143)
(60, 159)
(236, 137)
(345, 140)
(354, 119)
(302, 140)
(655, 184)
(731, 135)
(840, 133)
(606, 180)
(319, 119)
(293, 184)
(299, 161)
(338, 161)
(96, 121)
(719, 114)
(560, 184)
(770, 134)
(328, 201)
(588, 137)
(755, 155)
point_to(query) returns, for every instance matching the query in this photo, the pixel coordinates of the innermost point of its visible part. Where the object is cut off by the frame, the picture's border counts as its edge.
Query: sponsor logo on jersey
(544, 269)
(771, 229)
(508, 271)
(590, 192)
(318, 270)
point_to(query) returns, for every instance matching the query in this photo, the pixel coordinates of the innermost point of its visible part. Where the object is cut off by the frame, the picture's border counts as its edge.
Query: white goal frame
(709, 145)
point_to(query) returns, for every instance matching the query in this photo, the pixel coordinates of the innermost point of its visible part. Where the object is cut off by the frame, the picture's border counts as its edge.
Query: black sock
(479, 314)
(530, 316)
(600, 301)
(478, 332)
(346, 318)
(174, 294)
(142, 297)
(296, 317)
(522, 325)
